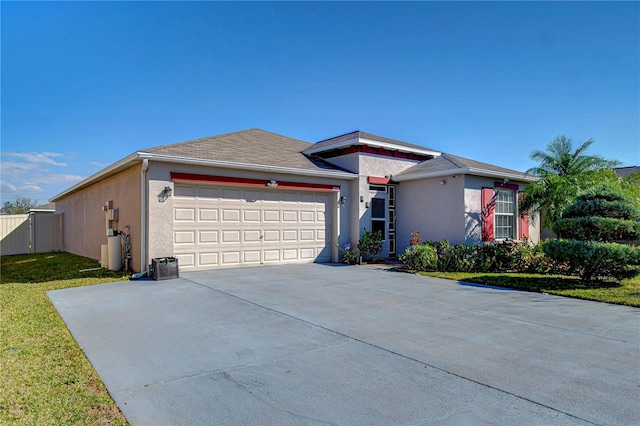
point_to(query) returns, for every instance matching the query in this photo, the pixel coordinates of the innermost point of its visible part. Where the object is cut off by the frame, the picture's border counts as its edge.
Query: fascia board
(110, 170)
(465, 171)
(369, 142)
(247, 166)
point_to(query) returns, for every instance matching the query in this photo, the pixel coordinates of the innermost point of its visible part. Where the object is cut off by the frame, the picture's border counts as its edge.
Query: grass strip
(626, 292)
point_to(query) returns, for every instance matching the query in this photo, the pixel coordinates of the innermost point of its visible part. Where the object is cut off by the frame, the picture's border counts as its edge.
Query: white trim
(369, 142)
(465, 171)
(141, 155)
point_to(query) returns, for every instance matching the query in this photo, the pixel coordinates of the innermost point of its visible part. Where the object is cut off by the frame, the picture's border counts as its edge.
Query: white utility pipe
(143, 216)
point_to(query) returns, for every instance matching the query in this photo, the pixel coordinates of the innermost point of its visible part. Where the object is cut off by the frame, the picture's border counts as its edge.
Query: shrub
(370, 244)
(594, 260)
(420, 258)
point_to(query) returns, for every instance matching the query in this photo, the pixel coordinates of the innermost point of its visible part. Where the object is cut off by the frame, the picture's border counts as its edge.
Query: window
(505, 213)
(378, 216)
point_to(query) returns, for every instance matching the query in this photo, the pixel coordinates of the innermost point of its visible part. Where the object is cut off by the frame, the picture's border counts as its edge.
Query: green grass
(626, 292)
(45, 377)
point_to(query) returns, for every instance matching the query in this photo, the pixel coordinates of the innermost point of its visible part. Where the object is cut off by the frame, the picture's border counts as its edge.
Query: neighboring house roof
(626, 171)
(253, 146)
(49, 207)
(449, 164)
(362, 138)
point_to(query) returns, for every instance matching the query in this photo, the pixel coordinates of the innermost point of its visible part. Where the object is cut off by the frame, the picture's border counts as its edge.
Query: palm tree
(560, 160)
(563, 173)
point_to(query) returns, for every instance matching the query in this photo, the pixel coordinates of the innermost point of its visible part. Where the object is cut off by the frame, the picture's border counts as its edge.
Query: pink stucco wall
(85, 223)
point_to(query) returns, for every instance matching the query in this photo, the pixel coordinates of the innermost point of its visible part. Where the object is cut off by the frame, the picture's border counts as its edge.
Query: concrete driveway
(334, 344)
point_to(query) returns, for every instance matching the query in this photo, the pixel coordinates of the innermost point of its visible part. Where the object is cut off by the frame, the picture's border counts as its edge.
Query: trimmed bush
(588, 230)
(595, 260)
(597, 228)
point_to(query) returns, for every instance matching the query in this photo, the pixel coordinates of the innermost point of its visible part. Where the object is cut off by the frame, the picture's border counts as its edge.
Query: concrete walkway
(334, 344)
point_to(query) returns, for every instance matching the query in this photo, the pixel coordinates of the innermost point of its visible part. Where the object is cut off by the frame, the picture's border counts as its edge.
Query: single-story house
(256, 198)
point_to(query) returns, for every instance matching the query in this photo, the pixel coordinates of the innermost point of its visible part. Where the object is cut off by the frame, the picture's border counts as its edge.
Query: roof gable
(452, 164)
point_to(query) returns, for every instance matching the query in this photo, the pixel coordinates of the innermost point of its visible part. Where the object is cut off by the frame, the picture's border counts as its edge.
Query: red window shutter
(523, 223)
(488, 207)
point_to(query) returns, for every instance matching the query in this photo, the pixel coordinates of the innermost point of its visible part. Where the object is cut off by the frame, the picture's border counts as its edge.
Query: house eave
(466, 171)
(369, 142)
(106, 172)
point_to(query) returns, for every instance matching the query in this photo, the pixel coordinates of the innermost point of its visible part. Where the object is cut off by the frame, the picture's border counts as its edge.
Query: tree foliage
(20, 206)
(563, 173)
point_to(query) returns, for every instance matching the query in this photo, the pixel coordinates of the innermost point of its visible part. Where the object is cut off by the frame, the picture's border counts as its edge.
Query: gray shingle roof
(450, 162)
(626, 171)
(370, 136)
(253, 146)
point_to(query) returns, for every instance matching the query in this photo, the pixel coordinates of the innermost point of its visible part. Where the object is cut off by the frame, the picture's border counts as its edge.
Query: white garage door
(217, 227)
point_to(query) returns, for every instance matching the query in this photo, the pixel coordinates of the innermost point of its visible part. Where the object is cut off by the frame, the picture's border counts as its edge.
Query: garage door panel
(230, 236)
(271, 236)
(207, 215)
(208, 259)
(289, 216)
(208, 237)
(290, 235)
(231, 258)
(271, 215)
(307, 235)
(217, 227)
(186, 260)
(251, 256)
(271, 255)
(290, 254)
(184, 215)
(252, 237)
(184, 237)
(229, 215)
(251, 216)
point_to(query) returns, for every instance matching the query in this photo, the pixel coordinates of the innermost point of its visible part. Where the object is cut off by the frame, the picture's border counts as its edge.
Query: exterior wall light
(442, 182)
(343, 200)
(272, 184)
(166, 193)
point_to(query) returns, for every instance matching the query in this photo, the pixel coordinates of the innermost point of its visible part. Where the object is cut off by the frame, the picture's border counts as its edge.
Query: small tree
(20, 206)
(588, 232)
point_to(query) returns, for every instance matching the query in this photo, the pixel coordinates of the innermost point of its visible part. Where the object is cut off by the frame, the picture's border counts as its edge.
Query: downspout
(143, 216)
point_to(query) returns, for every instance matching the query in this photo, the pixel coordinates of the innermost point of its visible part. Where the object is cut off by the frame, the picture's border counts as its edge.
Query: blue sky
(85, 84)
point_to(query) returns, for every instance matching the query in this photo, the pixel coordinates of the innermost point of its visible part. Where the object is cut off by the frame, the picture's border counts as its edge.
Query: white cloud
(29, 187)
(37, 157)
(95, 163)
(6, 186)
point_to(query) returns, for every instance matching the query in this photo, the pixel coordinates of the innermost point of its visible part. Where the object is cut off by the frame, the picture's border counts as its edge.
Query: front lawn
(45, 376)
(626, 292)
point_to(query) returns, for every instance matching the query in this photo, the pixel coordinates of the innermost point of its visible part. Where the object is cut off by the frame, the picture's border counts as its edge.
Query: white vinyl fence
(31, 233)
